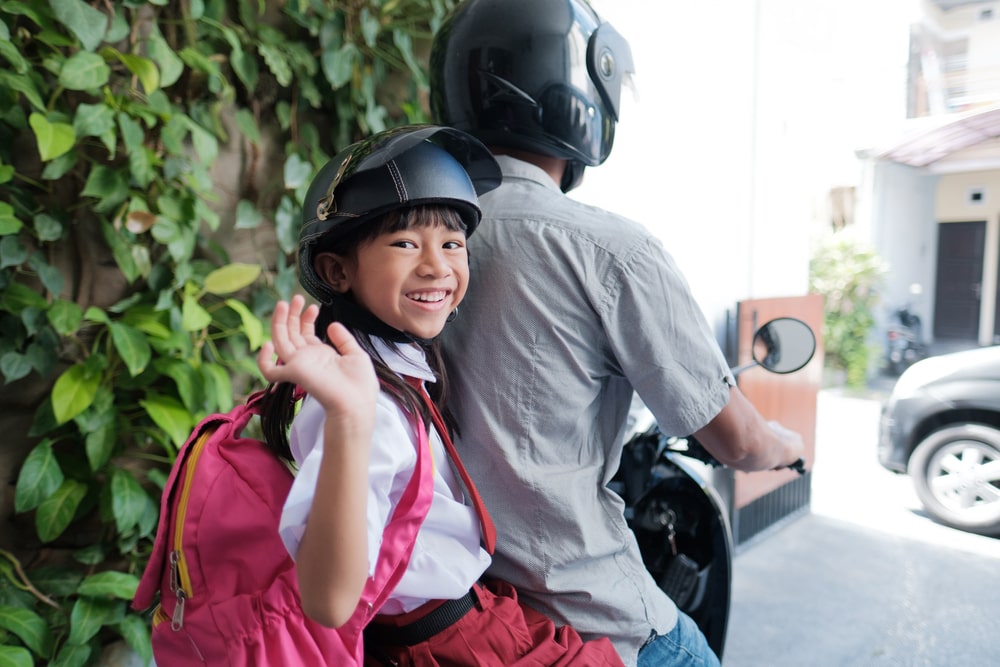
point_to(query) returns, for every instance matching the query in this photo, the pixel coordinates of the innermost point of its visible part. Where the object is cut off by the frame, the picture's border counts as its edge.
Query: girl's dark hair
(278, 405)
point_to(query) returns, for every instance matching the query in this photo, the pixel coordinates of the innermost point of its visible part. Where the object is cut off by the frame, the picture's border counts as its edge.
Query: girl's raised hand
(340, 376)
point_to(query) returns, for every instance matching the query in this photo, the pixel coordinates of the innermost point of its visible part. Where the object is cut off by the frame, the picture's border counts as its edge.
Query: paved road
(865, 578)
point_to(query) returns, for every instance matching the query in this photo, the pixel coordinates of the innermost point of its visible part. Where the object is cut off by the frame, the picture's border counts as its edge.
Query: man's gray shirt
(571, 307)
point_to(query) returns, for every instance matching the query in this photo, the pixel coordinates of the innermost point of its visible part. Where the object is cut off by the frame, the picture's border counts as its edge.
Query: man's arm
(740, 437)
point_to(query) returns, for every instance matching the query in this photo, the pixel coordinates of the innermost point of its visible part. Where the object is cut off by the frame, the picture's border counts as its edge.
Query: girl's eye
(404, 244)
(452, 245)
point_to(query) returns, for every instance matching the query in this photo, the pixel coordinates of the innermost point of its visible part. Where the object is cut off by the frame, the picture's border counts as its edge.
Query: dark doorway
(959, 280)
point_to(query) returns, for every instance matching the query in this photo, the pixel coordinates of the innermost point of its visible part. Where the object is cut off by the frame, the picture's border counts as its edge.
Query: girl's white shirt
(447, 557)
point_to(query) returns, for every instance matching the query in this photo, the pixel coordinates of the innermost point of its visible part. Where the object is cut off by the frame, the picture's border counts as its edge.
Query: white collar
(404, 358)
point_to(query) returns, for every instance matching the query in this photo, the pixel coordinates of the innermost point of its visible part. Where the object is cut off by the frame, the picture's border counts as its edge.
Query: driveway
(864, 578)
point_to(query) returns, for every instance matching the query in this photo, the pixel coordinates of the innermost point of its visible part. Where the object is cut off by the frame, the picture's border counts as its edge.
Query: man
(571, 309)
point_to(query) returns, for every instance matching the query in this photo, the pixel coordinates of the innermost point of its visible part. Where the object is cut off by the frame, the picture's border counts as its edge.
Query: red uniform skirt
(496, 630)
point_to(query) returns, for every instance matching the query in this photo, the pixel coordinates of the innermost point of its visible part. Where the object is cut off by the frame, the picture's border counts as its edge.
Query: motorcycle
(905, 344)
(679, 520)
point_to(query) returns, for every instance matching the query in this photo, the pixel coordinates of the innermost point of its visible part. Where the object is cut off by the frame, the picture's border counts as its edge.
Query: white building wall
(749, 112)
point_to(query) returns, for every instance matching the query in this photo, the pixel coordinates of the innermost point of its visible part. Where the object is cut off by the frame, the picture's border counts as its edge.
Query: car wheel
(956, 473)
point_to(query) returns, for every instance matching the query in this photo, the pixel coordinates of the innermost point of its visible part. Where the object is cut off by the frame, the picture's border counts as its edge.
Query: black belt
(423, 628)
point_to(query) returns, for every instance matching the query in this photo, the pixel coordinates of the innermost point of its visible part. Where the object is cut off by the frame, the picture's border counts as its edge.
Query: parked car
(941, 426)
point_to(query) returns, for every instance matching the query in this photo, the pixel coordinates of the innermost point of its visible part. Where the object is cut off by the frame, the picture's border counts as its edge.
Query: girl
(377, 518)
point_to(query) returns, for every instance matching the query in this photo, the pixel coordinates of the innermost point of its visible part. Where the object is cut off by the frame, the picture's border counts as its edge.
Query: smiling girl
(385, 526)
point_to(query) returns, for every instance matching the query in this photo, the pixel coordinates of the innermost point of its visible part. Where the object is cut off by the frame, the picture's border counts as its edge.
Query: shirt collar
(515, 168)
(404, 358)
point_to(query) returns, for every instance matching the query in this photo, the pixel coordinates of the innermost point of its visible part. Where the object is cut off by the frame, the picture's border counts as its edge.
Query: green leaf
(205, 144)
(135, 631)
(132, 346)
(95, 314)
(172, 417)
(108, 185)
(286, 221)
(64, 316)
(89, 615)
(11, 54)
(276, 61)
(218, 387)
(93, 120)
(18, 297)
(85, 22)
(72, 655)
(147, 320)
(12, 252)
(124, 253)
(73, 392)
(14, 366)
(23, 84)
(143, 68)
(171, 66)
(51, 276)
(48, 228)
(29, 627)
(128, 500)
(111, 584)
(248, 125)
(245, 66)
(252, 326)
(9, 224)
(39, 478)
(15, 656)
(57, 511)
(296, 172)
(338, 66)
(231, 278)
(187, 379)
(84, 71)
(54, 139)
(247, 215)
(193, 316)
(100, 443)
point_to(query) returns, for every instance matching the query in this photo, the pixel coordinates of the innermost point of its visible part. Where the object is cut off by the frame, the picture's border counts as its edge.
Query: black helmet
(399, 168)
(538, 75)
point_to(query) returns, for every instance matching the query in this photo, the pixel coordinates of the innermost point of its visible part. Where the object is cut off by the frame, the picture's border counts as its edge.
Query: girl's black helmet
(407, 166)
(538, 75)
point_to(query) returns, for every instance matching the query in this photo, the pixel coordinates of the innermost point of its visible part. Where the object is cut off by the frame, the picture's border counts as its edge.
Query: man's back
(570, 308)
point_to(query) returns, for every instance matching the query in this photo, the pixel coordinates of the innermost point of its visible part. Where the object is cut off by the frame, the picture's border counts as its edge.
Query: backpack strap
(398, 539)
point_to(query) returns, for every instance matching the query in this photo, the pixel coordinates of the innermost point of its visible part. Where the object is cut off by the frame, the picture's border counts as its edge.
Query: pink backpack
(228, 592)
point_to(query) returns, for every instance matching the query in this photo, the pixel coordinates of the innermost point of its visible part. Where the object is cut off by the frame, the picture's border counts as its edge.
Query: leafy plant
(119, 124)
(849, 273)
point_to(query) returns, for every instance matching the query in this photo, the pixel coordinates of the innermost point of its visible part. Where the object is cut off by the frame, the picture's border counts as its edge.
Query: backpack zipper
(180, 578)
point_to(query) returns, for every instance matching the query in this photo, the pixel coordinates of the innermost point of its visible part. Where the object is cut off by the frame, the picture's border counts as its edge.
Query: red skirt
(498, 631)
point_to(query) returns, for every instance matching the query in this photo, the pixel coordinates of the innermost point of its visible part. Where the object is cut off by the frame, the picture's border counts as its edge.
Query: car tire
(956, 473)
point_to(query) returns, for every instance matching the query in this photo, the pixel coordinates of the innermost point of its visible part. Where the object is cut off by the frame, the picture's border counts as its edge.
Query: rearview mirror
(784, 345)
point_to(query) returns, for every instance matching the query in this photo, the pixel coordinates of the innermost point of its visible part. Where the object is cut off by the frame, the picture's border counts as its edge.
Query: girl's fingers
(265, 360)
(342, 340)
(293, 322)
(309, 321)
(279, 328)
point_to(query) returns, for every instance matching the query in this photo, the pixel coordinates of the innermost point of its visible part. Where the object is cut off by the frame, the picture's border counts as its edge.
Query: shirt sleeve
(390, 467)
(663, 342)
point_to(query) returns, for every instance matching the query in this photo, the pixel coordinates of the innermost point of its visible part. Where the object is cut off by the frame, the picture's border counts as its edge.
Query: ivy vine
(115, 120)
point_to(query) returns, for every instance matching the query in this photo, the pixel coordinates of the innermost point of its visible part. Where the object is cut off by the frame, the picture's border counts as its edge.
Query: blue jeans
(684, 646)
